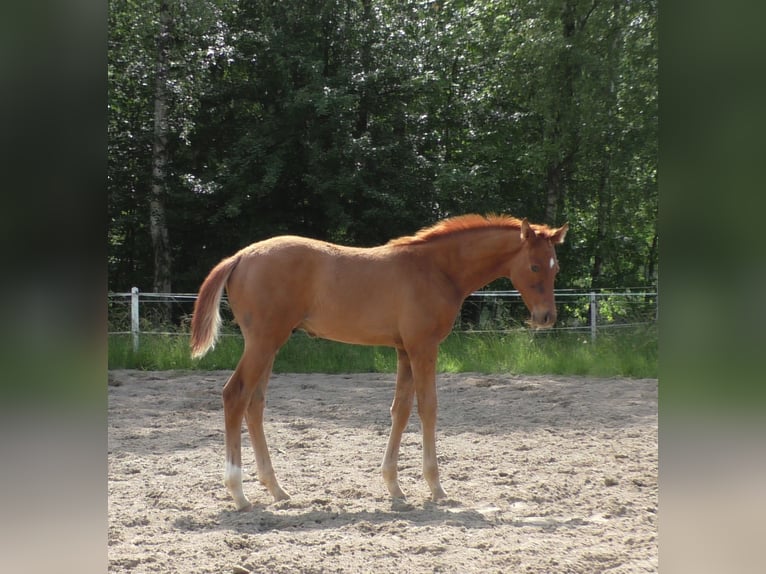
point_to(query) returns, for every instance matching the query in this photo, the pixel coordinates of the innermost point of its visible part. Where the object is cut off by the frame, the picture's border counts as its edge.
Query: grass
(621, 352)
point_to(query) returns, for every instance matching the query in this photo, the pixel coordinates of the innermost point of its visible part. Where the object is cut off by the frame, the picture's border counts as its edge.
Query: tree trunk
(157, 222)
(557, 177)
(604, 208)
(651, 266)
(563, 132)
(602, 217)
(363, 113)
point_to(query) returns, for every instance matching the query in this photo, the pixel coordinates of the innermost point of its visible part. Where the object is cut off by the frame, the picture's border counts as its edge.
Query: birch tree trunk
(157, 222)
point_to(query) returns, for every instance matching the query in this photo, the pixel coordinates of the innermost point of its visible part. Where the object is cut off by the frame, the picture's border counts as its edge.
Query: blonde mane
(467, 223)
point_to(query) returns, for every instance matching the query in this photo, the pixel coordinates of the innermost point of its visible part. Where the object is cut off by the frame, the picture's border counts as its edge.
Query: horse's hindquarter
(271, 286)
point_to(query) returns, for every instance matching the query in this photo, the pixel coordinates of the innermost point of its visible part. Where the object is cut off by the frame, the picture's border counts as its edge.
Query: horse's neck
(476, 257)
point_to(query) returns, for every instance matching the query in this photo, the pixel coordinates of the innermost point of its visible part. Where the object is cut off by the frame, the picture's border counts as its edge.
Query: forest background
(359, 121)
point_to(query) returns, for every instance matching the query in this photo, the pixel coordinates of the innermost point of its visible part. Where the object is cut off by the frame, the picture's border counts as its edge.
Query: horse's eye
(535, 268)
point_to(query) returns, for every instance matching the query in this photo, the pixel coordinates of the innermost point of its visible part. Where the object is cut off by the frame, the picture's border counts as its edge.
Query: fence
(487, 311)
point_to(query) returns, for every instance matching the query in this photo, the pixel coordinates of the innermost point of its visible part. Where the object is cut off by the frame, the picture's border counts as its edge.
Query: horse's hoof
(438, 495)
(280, 495)
(395, 492)
(400, 504)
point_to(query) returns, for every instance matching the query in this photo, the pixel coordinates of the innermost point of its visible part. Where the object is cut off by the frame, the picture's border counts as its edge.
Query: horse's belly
(354, 332)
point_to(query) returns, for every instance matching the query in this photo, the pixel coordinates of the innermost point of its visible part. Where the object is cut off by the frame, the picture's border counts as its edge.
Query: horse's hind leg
(235, 398)
(237, 394)
(400, 414)
(254, 417)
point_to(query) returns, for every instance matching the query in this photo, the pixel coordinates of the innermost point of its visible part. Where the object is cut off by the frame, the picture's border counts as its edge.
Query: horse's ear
(560, 234)
(526, 231)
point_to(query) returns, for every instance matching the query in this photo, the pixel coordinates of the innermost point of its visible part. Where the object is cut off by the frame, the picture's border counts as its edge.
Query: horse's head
(533, 271)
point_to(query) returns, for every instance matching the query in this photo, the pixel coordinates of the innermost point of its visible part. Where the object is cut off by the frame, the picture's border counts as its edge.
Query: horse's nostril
(546, 318)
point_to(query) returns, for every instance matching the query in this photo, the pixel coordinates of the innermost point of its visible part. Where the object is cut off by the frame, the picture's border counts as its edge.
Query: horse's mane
(467, 223)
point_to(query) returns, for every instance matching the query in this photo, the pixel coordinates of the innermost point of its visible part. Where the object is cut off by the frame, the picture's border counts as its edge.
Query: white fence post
(134, 316)
(593, 316)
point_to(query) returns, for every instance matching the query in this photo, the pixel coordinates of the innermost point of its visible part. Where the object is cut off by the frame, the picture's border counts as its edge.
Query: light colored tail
(207, 317)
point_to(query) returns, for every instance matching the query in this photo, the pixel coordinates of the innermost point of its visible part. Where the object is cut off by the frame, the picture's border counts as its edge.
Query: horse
(403, 294)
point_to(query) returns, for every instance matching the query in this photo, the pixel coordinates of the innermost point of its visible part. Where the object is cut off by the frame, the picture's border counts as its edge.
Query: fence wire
(484, 311)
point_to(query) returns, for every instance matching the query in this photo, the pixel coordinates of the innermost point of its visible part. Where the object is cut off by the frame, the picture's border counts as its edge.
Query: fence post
(134, 316)
(593, 316)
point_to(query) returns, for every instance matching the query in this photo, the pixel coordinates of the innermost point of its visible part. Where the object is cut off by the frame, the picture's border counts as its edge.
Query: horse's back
(343, 293)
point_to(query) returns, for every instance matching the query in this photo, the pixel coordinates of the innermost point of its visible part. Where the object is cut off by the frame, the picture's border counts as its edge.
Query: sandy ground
(544, 474)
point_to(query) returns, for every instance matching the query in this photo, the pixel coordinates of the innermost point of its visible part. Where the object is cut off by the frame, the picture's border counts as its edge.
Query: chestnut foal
(404, 294)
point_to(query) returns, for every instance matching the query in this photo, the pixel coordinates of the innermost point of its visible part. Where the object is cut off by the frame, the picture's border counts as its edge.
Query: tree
(157, 223)
(159, 56)
(130, 129)
(360, 121)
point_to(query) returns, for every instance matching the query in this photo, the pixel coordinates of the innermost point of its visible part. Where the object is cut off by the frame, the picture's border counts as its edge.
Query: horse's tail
(207, 317)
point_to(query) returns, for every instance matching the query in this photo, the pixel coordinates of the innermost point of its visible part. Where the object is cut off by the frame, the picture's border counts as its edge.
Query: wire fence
(134, 313)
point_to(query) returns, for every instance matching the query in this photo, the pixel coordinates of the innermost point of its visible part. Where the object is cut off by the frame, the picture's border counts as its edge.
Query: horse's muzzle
(543, 319)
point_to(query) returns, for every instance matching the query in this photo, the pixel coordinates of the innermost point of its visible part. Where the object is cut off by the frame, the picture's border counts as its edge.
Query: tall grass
(631, 354)
(622, 352)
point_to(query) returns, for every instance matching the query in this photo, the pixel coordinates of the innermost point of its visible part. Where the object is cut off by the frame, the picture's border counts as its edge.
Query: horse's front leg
(400, 414)
(424, 374)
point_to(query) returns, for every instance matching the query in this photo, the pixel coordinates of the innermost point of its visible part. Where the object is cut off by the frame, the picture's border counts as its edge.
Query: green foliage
(358, 122)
